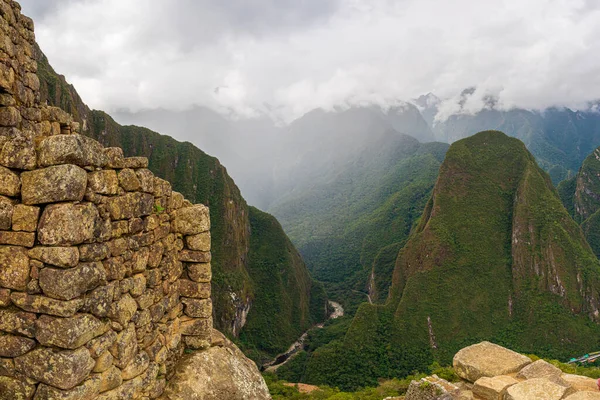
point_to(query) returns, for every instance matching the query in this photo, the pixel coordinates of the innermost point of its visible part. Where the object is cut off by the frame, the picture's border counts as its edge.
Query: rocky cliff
(203, 179)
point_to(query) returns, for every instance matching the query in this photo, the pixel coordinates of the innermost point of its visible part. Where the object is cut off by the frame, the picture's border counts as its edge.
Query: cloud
(286, 57)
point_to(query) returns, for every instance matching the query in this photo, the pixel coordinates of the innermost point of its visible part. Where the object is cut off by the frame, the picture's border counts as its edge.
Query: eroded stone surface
(14, 267)
(68, 333)
(71, 149)
(67, 284)
(493, 388)
(53, 184)
(191, 220)
(46, 305)
(535, 389)
(539, 369)
(487, 359)
(68, 224)
(66, 257)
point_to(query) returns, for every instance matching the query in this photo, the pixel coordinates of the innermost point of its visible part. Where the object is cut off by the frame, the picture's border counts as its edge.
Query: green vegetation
(495, 256)
(254, 265)
(348, 223)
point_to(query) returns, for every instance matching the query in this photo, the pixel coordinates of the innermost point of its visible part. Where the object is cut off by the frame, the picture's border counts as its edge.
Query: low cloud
(286, 57)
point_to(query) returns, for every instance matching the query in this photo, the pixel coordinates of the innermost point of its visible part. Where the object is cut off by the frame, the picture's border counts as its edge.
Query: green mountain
(335, 218)
(581, 197)
(261, 288)
(495, 256)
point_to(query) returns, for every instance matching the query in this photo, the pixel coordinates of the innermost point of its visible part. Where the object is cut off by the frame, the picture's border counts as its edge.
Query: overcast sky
(286, 57)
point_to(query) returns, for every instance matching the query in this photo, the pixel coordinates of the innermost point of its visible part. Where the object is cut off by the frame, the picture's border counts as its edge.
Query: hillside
(237, 283)
(495, 256)
(335, 219)
(581, 197)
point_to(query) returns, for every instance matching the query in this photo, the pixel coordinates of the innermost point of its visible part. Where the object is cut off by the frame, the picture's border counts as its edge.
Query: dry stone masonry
(104, 270)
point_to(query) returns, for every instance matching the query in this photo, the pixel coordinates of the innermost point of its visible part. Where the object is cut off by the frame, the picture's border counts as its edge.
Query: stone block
(146, 178)
(14, 346)
(114, 156)
(199, 272)
(493, 388)
(89, 389)
(64, 257)
(18, 153)
(199, 242)
(14, 267)
(197, 308)
(487, 359)
(103, 182)
(137, 366)
(110, 379)
(191, 220)
(10, 183)
(195, 256)
(67, 284)
(584, 396)
(5, 300)
(53, 184)
(123, 310)
(128, 180)
(535, 389)
(93, 252)
(63, 369)
(68, 224)
(192, 289)
(580, 383)
(197, 342)
(18, 322)
(68, 333)
(101, 344)
(116, 268)
(135, 162)
(125, 346)
(46, 305)
(6, 213)
(130, 205)
(539, 369)
(71, 149)
(103, 362)
(11, 388)
(9, 116)
(196, 326)
(25, 218)
(25, 239)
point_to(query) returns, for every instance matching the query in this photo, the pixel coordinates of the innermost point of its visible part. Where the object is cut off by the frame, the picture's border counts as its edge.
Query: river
(338, 311)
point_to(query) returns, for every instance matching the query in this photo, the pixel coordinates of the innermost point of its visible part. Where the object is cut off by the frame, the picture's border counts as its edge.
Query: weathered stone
(25, 239)
(115, 267)
(15, 389)
(161, 187)
(18, 322)
(63, 369)
(140, 259)
(137, 366)
(129, 180)
(539, 369)
(146, 178)
(125, 346)
(175, 201)
(157, 311)
(67, 284)
(123, 310)
(580, 383)
(98, 301)
(584, 396)
(199, 272)
(25, 218)
(191, 220)
(10, 183)
(197, 308)
(53, 184)
(18, 153)
(196, 326)
(9, 116)
(68, 333)
(87, 390)
(110, 379)
(68, 224)
(139, 285)
(117, 246)
(217, 373)
(46, 305)
(103, 182)
(14, 346)
(487, 359)
(130, 205)
(192, 289)
(135, 162)
(493, 388)
(65, 257)
(136, 225)
(535, 389)
(195, 256)
(6, 213)
(14, 267)
(155, 256)
(93, 252)
(71, 149)
(199, 242)
(103, 362)
(5, 300)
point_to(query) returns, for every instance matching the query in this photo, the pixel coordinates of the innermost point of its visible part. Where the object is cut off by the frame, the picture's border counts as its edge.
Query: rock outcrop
(221, 372)
(492, 372)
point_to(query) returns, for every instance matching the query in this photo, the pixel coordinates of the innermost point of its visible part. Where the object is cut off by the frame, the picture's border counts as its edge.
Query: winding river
(338, 311)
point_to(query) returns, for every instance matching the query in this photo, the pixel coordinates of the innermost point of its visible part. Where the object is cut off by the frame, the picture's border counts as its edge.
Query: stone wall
(104, 270)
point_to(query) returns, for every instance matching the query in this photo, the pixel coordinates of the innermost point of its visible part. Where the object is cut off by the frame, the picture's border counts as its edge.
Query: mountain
(559, 138)
(335, 217)
(242, 257)
(581, 197)
(495, 256)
